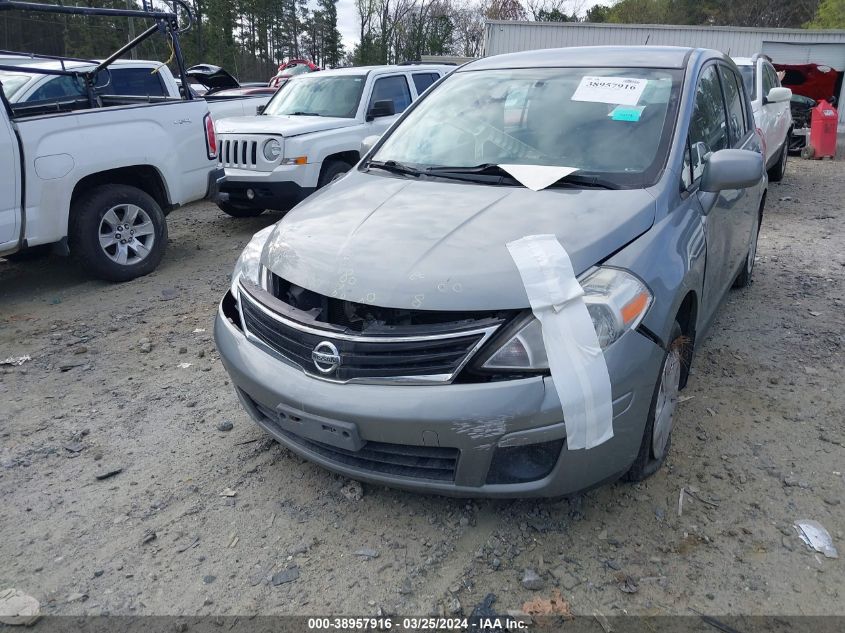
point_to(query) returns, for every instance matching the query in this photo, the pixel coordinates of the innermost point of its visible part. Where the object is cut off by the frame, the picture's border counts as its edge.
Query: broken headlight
(617, 302)
(248, 265)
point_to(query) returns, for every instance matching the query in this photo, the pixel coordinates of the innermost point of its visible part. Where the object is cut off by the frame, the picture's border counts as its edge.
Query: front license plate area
(332, 432)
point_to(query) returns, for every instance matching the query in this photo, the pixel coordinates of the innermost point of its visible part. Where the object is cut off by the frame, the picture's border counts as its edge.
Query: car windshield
(613, 123)
(12, 82)
(748, 79)
(310, 95)
(298, 69)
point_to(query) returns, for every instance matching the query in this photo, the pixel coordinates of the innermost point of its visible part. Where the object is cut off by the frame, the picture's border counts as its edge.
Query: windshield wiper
(581, 180)
(300, 113)
(477, 169)
(394, 167)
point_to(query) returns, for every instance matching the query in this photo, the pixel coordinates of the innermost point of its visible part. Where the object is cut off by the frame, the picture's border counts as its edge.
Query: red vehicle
(810, 80)
(290, 69)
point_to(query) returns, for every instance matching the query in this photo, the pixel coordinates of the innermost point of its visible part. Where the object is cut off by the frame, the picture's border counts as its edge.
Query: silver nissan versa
(382, 330)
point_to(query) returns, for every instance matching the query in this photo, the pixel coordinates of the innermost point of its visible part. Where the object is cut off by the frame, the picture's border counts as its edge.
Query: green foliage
(830, 15)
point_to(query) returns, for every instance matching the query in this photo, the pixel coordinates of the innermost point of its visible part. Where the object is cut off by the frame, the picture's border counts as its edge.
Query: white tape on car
(576, 360)
(538, 177)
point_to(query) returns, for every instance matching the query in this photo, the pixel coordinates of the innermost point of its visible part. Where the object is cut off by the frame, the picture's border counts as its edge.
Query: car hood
(440, 245)
(281, 125)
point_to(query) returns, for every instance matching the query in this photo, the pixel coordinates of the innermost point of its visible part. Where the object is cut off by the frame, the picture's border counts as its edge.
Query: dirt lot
(127, 377)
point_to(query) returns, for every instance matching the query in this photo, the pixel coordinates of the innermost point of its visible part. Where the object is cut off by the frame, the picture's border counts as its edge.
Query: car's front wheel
(743, 279)
(657, 437)
(778, 170)
(117, 232)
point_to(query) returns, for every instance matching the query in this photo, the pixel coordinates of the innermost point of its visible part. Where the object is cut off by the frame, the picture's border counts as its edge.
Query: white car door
(10, 191)
(393, 88)
(775, 119)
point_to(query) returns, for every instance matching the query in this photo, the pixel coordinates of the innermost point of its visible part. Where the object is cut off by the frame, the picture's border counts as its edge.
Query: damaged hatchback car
(387, 330)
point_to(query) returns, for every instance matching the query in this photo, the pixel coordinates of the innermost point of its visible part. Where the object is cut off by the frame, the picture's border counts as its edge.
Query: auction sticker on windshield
(617, 90)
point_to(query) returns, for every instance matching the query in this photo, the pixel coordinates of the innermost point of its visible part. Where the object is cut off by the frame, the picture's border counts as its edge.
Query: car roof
(744, 61)
(365, 70)
(586, 56)
(31, 66)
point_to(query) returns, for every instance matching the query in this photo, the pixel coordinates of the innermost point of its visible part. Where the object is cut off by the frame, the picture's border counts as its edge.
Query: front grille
(369, 358)
(240, 153)
(436, 463)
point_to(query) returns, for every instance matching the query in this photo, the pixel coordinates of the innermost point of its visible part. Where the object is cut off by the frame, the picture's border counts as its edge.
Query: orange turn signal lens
(634, 308)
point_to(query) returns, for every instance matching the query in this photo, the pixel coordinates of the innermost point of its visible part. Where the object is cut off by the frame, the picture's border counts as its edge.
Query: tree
(598, 13)
(829, 15)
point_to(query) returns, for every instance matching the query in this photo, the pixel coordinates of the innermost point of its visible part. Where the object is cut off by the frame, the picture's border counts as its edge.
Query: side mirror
(385, 107)
(778, 95)
(732, 169)
(367, 144)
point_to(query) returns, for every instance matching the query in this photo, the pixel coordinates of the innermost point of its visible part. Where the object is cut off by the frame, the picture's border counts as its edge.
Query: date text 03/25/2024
(385, 623)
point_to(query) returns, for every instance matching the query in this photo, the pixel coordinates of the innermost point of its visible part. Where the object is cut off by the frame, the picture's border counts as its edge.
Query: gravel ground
(204, 520)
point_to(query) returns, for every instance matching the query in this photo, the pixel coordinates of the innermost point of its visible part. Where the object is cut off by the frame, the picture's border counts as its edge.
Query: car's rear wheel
(657, 437)
(117, 232)
(237, 211)
(778, 170)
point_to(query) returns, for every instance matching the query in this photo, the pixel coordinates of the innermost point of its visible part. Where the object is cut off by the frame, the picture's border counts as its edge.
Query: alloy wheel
(667, 402)
(127, 234)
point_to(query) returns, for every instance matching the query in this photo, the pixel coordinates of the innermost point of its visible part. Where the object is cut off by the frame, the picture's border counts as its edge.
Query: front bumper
(279, 196)
(475, 420)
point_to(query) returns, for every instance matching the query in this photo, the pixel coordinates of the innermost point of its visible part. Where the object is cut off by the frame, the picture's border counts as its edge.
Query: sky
(347, 23)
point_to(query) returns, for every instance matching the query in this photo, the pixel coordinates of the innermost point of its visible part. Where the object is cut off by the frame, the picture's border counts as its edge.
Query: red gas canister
(823, 130)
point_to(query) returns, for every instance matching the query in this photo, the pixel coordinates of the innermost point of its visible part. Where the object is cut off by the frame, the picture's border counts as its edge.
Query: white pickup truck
(95, 176)
(311, 132)
(141, 78)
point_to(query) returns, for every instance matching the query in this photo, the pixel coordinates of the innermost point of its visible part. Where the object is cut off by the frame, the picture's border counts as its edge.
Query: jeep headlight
(617, 302)
(248, 266)
(272, 150)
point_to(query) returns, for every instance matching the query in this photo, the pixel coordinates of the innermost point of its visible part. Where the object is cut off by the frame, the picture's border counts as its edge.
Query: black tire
(237, 211)
(778, 170)
(332, 170)
(743, 279)
(87, 220)
(646, 462)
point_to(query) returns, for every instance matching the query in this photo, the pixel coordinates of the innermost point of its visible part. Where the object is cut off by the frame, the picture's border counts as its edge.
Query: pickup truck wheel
(118, 232)
(332, 170)
(657, 437)
(239, 212)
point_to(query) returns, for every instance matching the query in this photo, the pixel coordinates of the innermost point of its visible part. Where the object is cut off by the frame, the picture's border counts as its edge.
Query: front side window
(393, 89)
(317, 94)
(749, 80)
(736, 104)
(612, 122)
(708, 125)
(12, 82)
(769, 80)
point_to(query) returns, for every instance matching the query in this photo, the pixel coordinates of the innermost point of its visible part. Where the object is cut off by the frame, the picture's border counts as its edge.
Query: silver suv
(384, 330)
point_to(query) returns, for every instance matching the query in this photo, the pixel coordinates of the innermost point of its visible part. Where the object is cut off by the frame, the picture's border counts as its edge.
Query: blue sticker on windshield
(626, 113)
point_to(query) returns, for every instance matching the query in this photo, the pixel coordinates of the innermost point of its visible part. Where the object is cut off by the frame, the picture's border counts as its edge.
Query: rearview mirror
(732, 169)
(384, 107)
(367, 144)
(778, 95)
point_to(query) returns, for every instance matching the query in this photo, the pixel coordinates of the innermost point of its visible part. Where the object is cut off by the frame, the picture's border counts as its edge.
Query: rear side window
(423, 80)
(61, 87)
(708, 127)
(393, 89)
(135, 82)
(736, 104)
